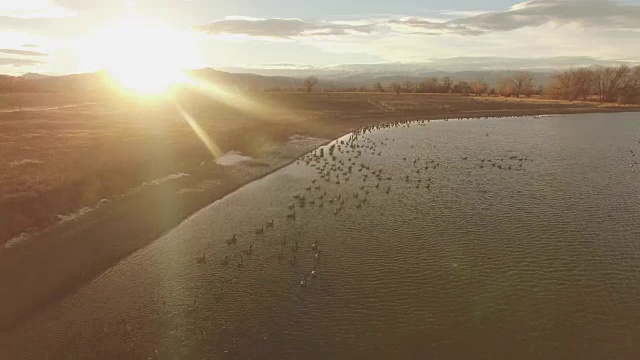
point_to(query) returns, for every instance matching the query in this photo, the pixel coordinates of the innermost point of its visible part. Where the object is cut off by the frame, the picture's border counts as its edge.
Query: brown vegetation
(609, 84)
(431, 85)
(520, 83)
(479, 86)
(310, 82)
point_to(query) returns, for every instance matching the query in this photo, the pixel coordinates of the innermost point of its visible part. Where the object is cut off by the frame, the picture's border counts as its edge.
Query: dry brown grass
(14, 101)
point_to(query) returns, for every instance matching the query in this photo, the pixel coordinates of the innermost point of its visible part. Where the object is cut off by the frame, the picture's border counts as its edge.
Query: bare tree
(479, 86)
(621, 84)
(377, 87)
(505, 87)
(608, 81)
(601, 81)
(560, 86)
(447, 83)
(430, 85)
(583, 83)
(572, 84)
(310, 82)
(620, 74)
(461, 87)
(630, 92)
(408, 86)
(396, 88)
(522, 82)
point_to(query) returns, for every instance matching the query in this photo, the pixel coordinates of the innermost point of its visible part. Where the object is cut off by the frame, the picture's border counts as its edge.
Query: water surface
(517, 238)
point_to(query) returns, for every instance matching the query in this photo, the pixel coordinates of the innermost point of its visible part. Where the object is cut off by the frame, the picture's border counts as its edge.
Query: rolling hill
(332, 80)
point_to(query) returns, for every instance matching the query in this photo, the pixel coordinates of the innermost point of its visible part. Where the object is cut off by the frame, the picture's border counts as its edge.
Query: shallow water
(232, 158)
(537, 261)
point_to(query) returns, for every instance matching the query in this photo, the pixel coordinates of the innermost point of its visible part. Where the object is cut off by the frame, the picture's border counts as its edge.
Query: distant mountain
(367, 75)
(33, 76)
(246, 80)
(346, 77)
(336, 72)
(490, 77)
(290, 76)
(457, 68)
(32, 82)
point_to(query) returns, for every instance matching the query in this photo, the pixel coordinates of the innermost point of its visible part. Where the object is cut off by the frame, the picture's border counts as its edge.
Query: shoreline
(102, 218)
(106, 237)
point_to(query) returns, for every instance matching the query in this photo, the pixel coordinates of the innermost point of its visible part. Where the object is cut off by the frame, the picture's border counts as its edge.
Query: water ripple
(524, 245)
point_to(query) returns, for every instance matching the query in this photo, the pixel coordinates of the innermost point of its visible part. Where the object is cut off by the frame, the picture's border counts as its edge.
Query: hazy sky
(66, 36)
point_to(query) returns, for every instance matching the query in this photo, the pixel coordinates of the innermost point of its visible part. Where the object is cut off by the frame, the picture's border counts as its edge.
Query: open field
(55, 162)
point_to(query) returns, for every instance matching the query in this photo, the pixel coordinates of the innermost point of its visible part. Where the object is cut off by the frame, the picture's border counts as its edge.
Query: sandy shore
(63, 255)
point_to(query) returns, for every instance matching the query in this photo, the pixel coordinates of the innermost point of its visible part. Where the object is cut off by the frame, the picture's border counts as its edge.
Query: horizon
(544, 65)
(70, 37)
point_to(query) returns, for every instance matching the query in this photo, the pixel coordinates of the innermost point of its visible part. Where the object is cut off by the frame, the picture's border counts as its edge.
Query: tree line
(606, 84)
(429, 85)
(518, 84)
(619, 84)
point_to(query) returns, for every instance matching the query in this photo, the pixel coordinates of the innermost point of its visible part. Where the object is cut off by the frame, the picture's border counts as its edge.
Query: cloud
(583, 13)
(22, 52)
(285, 66)
(18, 62)
(281, 28)
(462, 63)
(427, 27)
(606, 14)
(30, 45)
(33, 9)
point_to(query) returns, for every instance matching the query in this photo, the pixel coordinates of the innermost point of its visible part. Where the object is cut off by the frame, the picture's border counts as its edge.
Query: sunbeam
(204, 137)
(236, 100)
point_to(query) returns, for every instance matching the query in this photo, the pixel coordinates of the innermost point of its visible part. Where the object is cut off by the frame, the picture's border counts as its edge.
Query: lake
(480, 238)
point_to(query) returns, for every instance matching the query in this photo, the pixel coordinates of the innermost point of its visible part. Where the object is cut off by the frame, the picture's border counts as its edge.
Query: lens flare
(141, 55)
(201, 133)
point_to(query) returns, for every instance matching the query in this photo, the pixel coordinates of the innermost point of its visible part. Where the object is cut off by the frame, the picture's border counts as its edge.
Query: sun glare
(141, 55)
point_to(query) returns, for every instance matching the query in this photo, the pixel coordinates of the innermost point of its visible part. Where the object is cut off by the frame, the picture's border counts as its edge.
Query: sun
(142, 56)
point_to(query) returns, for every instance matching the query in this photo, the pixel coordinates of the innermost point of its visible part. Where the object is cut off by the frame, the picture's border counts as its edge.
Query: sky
(73, 36)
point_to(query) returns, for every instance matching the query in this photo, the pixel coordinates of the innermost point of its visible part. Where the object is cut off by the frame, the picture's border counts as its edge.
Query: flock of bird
(634, 162)
(345, 179)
